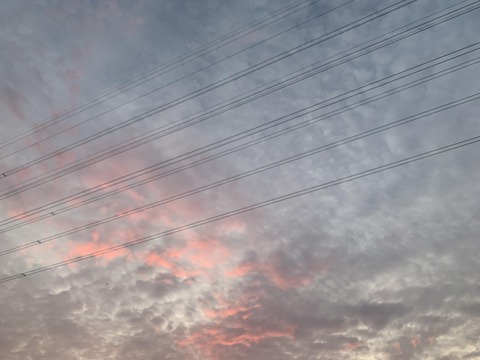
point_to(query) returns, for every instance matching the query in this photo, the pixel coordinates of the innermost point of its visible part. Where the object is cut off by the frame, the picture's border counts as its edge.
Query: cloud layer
(384, 267)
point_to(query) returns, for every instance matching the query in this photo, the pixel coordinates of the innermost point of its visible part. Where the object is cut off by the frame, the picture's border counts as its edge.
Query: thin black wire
(198, 162)
(275, 200)
(183, 60)
(20, 218)
(52, 175)
(260, 169)
(193, 164)
(219, 83)
(165, 85)
(209, 158)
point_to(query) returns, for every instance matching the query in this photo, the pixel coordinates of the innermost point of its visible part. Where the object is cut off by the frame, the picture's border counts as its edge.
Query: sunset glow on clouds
(382, 267)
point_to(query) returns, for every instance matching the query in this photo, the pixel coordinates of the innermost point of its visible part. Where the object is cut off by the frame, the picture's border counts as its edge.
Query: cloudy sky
(189, 130)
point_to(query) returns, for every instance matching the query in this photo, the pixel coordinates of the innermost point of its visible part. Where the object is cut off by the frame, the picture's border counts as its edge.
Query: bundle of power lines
(413, 76)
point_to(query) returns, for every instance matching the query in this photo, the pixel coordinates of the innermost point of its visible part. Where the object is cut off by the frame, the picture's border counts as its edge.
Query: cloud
(14, 101)
(472, 355)
(378, 315)
(384, 267)
(472, 309)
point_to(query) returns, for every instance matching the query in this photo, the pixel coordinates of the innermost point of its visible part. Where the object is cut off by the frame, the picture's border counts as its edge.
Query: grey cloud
(472, 355)
(379, 315)
(381, 267)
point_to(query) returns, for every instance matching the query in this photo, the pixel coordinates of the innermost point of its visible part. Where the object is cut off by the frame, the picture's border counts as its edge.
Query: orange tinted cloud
(192, 257)
(168, 262)
(97, 243)
(237, 320)
(243, 307)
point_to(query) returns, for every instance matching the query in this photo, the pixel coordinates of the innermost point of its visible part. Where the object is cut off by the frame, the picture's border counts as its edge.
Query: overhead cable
(242, 210)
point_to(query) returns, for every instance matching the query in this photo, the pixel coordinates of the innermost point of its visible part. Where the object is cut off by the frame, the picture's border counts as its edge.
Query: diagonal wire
(39, 180)
(260, 169)
(7, 223)
(167, 84)
(217, 84)
(181, 61)
(272, 201)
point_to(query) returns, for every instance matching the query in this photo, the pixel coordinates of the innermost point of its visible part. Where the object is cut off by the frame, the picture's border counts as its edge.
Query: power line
(7, 223)
(150, 92)
(272, 201)
(260, 169)
(29, 184)
(219, 83)
(183, 60)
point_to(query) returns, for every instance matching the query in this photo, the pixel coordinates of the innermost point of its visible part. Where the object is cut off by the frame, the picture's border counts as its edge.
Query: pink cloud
(98, 242)
(353, 346)
(65, 158)
(16, 214)
(229, 325)
(213, 340)
(195, 256)
(415, 341)
(243, 307)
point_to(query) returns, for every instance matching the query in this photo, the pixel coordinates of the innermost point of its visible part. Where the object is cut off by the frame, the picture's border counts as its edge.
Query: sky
(217, 179)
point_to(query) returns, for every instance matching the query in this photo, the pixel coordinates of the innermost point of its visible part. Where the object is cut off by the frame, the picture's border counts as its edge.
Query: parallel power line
(150, 92)
(163, 69)
(272, 201)
(39, 180)
(219, 83)
(26, 218)
(257, 170)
